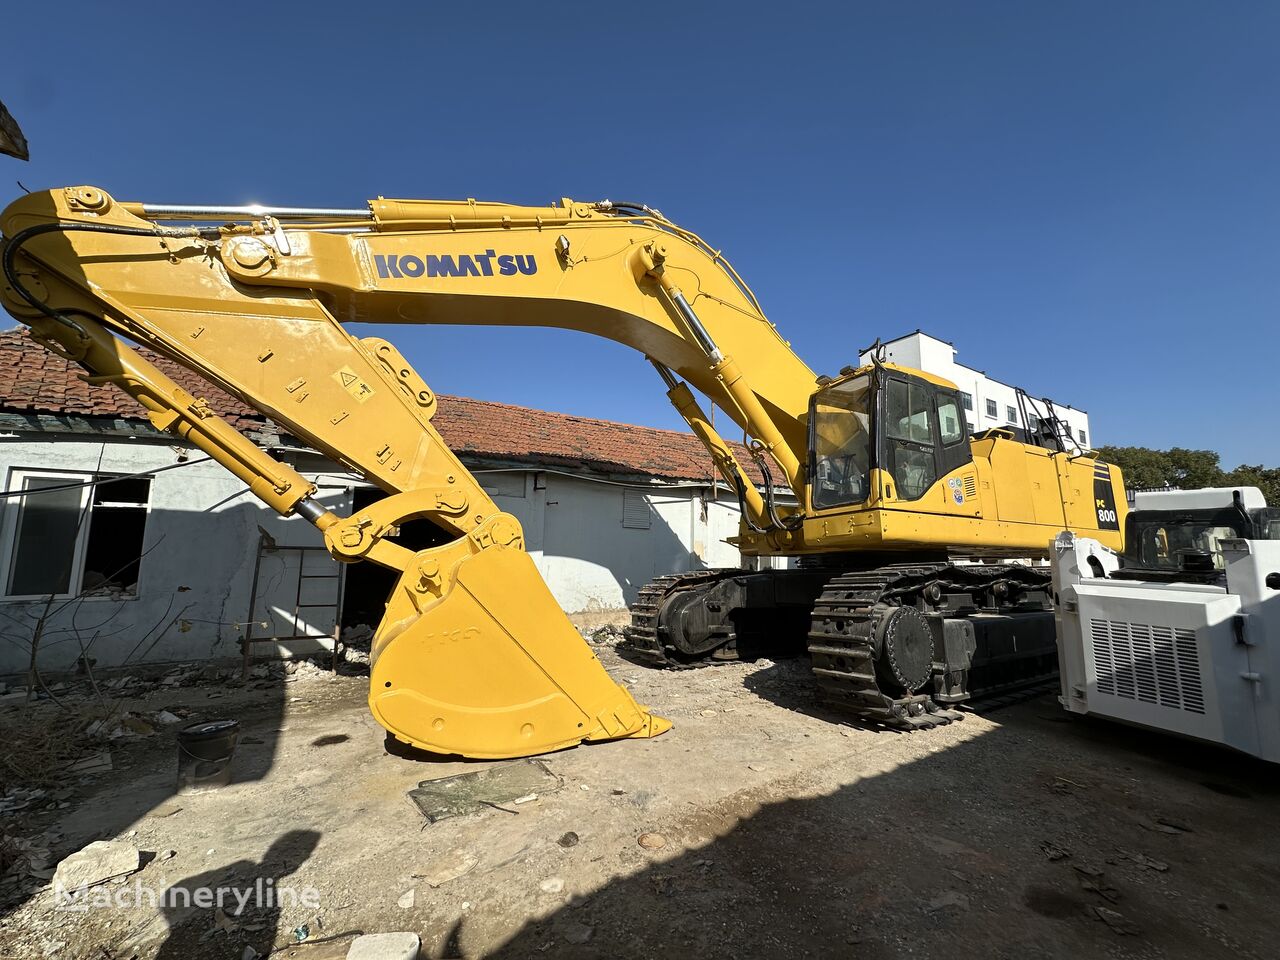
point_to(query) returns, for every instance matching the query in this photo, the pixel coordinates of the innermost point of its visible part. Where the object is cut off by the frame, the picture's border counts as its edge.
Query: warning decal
(352, 383)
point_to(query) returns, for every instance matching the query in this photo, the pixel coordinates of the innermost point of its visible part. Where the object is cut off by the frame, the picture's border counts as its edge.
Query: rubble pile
(609, 635)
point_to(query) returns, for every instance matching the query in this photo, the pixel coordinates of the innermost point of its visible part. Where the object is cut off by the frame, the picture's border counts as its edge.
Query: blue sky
(1084, 197)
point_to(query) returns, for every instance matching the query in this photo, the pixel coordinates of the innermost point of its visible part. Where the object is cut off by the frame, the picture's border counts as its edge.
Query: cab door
(925, 435)
(908, 449)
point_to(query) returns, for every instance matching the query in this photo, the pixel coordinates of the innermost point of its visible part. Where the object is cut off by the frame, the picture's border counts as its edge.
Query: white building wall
(923, 352)
(203, 530)
(201, 541)
(592, 562)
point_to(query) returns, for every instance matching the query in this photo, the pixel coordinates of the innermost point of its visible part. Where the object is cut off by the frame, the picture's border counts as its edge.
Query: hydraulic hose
(22, 236)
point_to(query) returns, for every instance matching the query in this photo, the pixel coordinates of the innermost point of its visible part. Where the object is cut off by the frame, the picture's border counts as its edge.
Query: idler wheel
(905, 657)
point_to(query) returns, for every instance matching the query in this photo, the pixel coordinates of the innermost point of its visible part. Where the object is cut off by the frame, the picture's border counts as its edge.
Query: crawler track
(852, 664)
(644, 638)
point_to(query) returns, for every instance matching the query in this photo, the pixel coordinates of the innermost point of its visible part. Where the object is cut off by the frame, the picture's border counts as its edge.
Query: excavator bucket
(493, 669)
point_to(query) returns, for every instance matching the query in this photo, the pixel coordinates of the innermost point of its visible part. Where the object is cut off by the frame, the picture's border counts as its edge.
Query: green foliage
(1189, 469)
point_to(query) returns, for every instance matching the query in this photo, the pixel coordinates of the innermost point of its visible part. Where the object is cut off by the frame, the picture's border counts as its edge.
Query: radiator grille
(1148, 663)
(970, 487)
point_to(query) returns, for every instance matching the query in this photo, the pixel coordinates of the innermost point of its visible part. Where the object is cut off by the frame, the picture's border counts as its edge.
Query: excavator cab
(906, 424)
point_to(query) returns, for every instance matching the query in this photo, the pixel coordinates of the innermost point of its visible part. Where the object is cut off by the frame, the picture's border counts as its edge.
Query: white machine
(1182, 632)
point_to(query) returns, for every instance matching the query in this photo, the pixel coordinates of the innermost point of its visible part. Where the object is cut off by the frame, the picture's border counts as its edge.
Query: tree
(1266, 479)
(1185, 469)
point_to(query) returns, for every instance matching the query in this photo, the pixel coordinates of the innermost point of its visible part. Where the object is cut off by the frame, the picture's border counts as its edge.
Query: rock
(407, 899)
(1144, 861)
(708, 713)
(652, 841)
(551, 885)
(166, 855)
(96, 763)
(165, 717)
(164, 810)
(100, 861)
(576, 932)
(1164, 825)
(385, 946)
(570, 839)
(1053, 851)
(756, 767)
(1118, 923)
(136, 724)
(449, 867)
(951, 898)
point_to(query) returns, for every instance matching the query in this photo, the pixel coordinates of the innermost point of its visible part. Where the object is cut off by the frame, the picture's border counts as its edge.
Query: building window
(75, 533)
(1033, 423)
(967, 400)
(1011, 414)
(992, 409)
(635, 510)
(1083, 441)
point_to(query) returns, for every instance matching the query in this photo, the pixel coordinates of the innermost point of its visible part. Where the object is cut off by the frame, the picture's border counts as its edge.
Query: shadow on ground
(951, 853)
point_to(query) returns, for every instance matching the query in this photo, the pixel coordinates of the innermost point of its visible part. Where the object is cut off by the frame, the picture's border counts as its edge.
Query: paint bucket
(204, 754)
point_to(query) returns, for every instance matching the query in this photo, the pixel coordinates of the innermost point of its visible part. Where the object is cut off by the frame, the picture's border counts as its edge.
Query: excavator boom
(473, 656)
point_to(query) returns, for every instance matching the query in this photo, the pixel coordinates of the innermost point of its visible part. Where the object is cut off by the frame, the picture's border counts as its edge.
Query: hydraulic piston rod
(187, 211)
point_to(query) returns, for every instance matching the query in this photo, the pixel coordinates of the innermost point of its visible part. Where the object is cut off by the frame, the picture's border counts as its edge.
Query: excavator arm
(473, 657)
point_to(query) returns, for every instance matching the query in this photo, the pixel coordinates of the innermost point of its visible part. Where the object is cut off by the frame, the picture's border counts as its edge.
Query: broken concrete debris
(607, 635)
(96, 863)
(452, 865)
(576, 933)
(1118, 923)
(385, 946)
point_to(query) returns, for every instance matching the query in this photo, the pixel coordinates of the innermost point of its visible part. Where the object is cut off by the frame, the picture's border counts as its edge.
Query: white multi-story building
(988, 402)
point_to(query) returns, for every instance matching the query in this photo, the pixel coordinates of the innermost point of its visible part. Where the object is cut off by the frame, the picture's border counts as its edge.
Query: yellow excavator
(898, 516)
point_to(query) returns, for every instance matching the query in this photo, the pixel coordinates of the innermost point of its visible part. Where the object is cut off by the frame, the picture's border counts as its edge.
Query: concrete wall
(193, 588)
(202, 532)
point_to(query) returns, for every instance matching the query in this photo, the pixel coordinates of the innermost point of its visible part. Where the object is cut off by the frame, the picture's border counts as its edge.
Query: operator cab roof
(1209, 498)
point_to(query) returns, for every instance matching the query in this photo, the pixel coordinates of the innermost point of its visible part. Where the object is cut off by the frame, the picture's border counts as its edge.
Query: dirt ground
(785, 833)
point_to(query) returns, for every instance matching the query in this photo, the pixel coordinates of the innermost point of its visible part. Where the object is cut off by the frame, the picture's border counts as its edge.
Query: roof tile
(33, 379)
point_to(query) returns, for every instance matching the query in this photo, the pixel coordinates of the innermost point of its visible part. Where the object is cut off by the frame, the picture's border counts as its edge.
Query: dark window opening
(117, 526)
(44, 547)
(75, 538)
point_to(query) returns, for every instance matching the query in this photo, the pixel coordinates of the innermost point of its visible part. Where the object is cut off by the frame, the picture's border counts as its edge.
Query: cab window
(841, 444)
(951, 424)
(909, 429)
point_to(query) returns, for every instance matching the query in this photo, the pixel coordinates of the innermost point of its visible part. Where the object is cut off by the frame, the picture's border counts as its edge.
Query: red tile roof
(37, 381)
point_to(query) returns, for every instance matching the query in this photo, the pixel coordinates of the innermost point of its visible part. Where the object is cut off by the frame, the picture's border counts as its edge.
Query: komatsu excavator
(474, 657)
